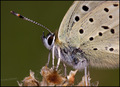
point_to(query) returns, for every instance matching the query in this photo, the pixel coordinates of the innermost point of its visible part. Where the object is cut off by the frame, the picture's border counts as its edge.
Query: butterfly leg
(65, 70)
(89, 78)
(86, 80)
(48, 58)
(59, 56)
(53, 57)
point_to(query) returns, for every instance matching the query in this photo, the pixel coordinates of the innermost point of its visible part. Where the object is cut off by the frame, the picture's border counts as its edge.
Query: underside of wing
(75, 13)
(103, 52)
(97, 35)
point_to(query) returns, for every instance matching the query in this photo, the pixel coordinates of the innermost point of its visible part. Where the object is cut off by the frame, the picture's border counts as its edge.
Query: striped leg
(59, 56)
(48, 58)
(53, 56)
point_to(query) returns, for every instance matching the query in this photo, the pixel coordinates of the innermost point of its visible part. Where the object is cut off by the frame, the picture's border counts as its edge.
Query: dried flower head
(71, 76)
(29, 81)
(51, 77)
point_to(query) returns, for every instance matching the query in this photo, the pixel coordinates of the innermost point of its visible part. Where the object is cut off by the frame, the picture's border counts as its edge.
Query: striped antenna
(27, 19)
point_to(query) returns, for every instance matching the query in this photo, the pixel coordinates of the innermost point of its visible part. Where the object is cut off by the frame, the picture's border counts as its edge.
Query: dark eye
(50, 39)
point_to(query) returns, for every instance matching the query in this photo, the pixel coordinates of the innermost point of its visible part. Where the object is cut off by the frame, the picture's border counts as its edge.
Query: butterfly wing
(103, 52)
(97, 35)
(77, 11)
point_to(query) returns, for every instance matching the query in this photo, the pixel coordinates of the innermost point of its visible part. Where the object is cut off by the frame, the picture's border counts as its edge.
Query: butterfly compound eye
(50, 39)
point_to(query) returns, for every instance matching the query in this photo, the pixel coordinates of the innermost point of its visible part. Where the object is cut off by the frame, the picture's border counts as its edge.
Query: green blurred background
(21, 45)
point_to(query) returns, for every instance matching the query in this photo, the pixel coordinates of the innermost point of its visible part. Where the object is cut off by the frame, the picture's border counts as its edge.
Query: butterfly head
(49, 40)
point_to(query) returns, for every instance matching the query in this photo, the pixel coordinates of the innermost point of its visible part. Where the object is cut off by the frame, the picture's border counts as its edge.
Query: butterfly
(88, 35)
